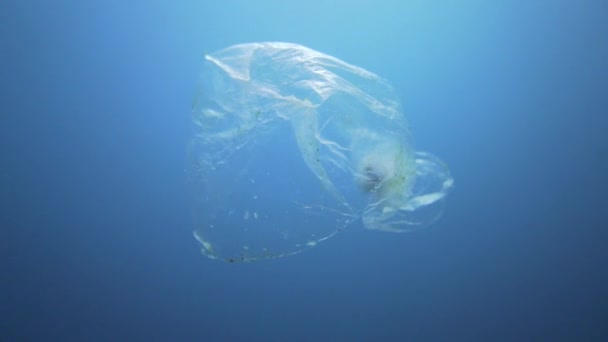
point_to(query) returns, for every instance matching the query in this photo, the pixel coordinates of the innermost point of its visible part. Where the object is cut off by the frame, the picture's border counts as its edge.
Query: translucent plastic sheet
(292, 146)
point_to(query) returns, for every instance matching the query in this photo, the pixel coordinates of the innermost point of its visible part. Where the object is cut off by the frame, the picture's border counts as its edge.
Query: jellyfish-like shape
(293, 145)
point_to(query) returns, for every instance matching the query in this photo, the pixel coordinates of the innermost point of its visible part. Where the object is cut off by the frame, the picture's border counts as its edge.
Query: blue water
(95, 239)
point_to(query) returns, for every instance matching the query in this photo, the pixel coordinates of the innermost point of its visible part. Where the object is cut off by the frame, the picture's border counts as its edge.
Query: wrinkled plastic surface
(293, 145)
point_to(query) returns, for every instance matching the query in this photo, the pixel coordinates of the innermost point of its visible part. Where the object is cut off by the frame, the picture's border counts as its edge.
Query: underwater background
(96, 224)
